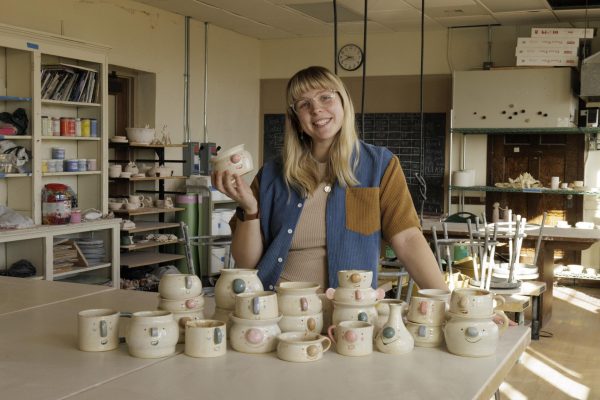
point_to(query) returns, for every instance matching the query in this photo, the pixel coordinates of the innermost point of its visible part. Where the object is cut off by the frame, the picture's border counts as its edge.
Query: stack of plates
(119, 139)
(93, 250)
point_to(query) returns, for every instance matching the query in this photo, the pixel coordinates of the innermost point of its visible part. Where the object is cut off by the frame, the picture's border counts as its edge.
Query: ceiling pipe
(186, 83)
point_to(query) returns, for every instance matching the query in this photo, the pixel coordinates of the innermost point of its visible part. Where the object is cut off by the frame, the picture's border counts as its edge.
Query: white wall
(148, 39)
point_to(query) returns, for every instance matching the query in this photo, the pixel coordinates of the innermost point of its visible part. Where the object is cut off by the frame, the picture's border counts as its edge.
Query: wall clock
(350, 57)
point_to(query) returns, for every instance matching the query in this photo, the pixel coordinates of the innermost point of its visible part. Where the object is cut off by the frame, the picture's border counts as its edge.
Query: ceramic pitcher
(394, 338)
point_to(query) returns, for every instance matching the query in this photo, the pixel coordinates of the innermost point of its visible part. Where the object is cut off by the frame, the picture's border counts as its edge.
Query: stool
(535, 290)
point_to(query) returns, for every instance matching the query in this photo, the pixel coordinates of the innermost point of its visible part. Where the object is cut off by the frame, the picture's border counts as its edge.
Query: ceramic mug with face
(302, 346)
(179, 286)
(424, 310)
(235, 160)
(257, 305)
(473, 337)
(352, 338)
(254, 335)
(205, 338)
(425, 335)
(98, 329)
(355, 278)
(152, 334)
(474, 303)
(302, 323)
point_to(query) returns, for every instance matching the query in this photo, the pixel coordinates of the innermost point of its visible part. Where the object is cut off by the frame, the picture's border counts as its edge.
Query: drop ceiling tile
(514, 5)
(375, 5)
(455, 11)
(358, 28)
(525, 17)
(441, 3)
(577, 15)
(470, 20)
(394, 16)
(413, 25)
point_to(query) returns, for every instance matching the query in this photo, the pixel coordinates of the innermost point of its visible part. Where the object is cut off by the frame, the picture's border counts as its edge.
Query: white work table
(39, 359)
(17, 294)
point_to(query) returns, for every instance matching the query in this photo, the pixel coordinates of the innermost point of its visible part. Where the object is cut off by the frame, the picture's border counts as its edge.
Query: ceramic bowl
(575, 268)
(125, 175)
(254, 335)
(302, 347)
(256, 305)
(425, 335)
(302, 323)
(114, 206)
(140, 135)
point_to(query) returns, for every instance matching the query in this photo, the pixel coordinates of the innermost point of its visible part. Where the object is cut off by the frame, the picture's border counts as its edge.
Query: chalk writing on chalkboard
(401, 134)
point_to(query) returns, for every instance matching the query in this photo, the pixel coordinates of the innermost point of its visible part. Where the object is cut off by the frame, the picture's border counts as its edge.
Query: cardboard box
(545, 51)
(555, 61)
(563, 32)
(548, 41)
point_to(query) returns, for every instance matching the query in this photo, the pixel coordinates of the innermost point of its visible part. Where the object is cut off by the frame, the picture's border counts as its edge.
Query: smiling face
(321, 115)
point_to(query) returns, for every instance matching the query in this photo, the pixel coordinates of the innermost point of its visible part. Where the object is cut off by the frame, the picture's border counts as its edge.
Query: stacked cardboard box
(551, 47)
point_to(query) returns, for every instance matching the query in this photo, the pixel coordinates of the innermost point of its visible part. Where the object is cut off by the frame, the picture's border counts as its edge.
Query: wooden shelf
(148, 211)
(72, 173)
(140, 259)
(3, 175)
(70, 103)
(522, 131)
(154, 178)
(145, 145)
(149, 244)
(592, 191)
(15, 137)
(78, 270)
(85, 138)
(147, 226)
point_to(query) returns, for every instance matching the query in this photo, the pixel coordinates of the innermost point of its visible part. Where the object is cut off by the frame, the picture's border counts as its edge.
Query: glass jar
(56, 204)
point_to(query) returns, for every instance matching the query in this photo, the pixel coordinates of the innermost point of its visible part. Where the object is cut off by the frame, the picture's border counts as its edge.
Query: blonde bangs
(300, 168)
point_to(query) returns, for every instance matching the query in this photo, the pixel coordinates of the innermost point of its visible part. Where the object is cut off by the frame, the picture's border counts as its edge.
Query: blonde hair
(299, 167)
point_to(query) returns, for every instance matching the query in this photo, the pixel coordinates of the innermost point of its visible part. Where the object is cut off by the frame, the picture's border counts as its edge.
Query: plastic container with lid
(57, 200)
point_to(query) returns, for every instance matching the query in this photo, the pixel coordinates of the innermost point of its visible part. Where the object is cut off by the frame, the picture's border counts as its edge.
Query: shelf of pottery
(54, 117)
(138, 171)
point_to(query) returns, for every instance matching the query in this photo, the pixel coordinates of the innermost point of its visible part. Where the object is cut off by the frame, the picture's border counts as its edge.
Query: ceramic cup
(564, 185)
(136, 199)
(179, 286)
(473, 337)
(235, 160)
(257, 305)
(354, 312)
(355, 278)
(554, 182)
(195, 303)
(205, 338)
(98, 329)
(234, 281)
(439, 294)
(425, 335)
(183, 317)
(302, 346)
(350, 295)
(352, 338)
(424, 310)
(152, 334)
(114, 171)
(302, 323)
(298, 298)
(474, 303)
(254, 336)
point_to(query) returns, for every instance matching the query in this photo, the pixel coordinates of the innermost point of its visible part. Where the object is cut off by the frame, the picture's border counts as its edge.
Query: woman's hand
(236, 188)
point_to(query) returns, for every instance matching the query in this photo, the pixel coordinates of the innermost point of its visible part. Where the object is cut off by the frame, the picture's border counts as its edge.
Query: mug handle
(504, 321)
(499, 300)
(330, 333)
(326, 347)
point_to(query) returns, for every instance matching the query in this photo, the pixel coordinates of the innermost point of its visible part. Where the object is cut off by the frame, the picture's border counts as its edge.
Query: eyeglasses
(323, 99)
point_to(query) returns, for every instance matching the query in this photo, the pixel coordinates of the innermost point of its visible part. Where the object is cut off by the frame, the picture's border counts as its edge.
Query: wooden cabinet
(24, 55)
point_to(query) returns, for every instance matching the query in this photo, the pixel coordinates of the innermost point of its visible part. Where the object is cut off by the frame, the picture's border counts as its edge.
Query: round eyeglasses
(323, 99)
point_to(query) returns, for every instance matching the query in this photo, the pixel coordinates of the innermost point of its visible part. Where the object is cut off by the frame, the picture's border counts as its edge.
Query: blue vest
(280, 210)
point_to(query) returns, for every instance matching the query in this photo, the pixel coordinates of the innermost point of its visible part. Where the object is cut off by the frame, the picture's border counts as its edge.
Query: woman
(326, 204)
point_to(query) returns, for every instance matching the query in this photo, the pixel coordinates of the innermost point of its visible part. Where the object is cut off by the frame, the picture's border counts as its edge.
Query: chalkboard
(401, 134)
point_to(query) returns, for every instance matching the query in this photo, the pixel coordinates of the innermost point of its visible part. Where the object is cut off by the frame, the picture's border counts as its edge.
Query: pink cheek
(236, 158)
(350, 336)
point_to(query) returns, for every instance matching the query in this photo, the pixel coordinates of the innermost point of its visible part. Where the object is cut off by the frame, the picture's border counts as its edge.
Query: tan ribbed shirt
(307, 259)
